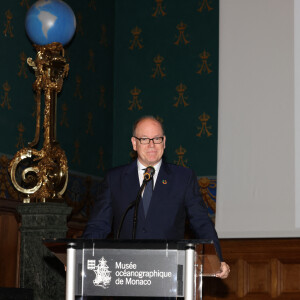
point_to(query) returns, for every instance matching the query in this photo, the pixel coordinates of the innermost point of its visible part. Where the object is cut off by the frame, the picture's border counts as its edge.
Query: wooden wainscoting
(9, 245)
(260, 269)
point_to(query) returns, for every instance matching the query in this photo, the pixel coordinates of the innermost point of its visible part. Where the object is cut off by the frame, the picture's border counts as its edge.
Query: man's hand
(224, 271)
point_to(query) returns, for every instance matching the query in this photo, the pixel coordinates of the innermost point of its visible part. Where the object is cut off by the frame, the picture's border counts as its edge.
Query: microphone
(149, 173)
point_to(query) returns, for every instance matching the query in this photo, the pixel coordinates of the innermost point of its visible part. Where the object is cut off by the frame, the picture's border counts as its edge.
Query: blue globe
(49, 21)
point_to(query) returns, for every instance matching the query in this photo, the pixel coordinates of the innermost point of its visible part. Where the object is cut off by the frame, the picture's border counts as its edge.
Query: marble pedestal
(40, 270)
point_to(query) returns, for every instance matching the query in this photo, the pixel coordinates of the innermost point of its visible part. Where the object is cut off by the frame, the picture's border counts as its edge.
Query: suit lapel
(132, 187)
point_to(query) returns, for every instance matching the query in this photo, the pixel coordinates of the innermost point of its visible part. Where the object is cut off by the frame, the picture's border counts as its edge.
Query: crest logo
(103, 277)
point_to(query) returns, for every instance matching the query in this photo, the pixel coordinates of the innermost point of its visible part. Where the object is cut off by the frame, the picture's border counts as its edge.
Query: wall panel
(261, 269)
(9, 250)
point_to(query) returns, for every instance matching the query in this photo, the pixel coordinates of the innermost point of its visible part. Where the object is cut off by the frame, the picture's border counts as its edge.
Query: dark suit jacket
(175, 197)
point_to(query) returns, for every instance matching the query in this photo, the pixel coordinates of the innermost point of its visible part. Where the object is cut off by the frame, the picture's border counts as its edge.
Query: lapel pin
(164, 181)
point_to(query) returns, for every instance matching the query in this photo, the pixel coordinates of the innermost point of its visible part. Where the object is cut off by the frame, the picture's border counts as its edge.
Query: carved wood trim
(260, 269)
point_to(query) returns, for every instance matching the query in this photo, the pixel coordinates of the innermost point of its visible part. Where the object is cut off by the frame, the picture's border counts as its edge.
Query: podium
(135, 268)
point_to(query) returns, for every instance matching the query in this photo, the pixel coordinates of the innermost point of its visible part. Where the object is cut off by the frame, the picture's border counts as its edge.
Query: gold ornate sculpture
(42, 175)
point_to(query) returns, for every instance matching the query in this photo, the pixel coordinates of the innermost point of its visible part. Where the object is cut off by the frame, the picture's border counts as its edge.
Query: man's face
(148, 154)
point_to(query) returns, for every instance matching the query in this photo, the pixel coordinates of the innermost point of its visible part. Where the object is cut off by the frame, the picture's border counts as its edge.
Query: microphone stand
(136, 204)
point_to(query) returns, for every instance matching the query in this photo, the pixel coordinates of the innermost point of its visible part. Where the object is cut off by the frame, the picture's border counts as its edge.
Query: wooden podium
(135, 268)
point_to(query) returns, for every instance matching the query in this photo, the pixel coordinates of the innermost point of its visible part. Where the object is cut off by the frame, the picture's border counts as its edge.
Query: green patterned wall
(166, 65)
(128, 58)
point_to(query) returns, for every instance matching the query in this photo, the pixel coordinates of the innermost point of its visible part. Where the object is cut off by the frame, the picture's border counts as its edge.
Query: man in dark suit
(175, 196)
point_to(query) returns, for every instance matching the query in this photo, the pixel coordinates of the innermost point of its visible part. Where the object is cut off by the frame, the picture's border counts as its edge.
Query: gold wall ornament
(22, 70)
(64, 118)
(204, 66)
(102, 96)
(79, 27)
(135, 102)
(21, 130)
(36, 108)
(204, 5)
(89, 129)
(137, 41)
(181, 161)
(103, 38)
(158, 70)
(8, 30)
(181, 27)
(181, 99)
(204, 129)
(25, 3)
(77, 92)
(5, 97)
(42, 175)
(92, 5)
(159, 9)
(91, 65)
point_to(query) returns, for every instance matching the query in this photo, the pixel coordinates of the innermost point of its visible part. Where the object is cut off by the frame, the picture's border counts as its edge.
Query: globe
(49, 21)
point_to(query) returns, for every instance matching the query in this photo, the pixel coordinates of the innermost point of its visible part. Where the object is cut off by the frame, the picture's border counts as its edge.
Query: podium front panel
(141, 268)
(130, 272)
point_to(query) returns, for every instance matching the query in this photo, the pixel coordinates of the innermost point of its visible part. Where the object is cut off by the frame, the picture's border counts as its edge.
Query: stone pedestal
(40, 270)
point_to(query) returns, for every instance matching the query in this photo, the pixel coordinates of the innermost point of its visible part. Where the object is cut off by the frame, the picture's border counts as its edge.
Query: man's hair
(144, 118)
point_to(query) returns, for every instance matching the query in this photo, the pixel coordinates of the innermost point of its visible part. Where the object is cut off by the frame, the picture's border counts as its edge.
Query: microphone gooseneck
(149, 173)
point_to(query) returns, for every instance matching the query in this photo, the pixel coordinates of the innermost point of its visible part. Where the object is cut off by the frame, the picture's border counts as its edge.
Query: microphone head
(149, 172)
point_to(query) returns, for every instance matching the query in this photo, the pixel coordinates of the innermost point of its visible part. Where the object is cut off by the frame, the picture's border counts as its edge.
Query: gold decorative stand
(42, 175)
